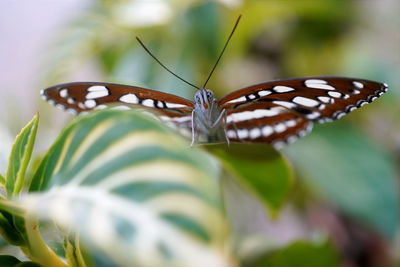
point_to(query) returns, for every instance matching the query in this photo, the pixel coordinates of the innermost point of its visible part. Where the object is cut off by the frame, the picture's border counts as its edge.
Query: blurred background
(347, 172)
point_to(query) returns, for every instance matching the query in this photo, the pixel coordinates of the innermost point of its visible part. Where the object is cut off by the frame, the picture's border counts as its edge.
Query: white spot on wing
(231, 133)
(129, 99)
(335, 94)
(350, 109)
(278, 144)
(101, 107)
(318, 84)
(308, 102)
(305, 131)
(63, 93)
(280, 127)
(340, 115)
(264, 93)
(81, 105)
(93, 94)
(282, 89)
(97, 88)
(60, 106)
(242, 133)
(285, 104)
(255, 133)
(361, 103)
(325, 99)
(313, 115)
(255, 114)
(160, 104)
(358, 85)
(148, 103)
(290, 123)
(173, 105)
(240, 99)
(90, 103)
(72, 111)
(315, 81)
(267, 131)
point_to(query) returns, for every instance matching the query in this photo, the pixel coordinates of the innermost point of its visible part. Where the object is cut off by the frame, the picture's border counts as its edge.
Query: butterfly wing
(84, 96)
(265, 122)
(317, 98)
(282, 110)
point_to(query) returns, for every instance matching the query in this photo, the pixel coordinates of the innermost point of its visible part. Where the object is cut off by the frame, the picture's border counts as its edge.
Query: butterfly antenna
(223, 50)
(162, 65)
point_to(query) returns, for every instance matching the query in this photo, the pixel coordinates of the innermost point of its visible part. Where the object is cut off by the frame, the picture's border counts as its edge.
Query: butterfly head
(203, 98)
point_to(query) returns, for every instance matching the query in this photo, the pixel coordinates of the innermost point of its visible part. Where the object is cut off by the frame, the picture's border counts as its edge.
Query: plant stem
(37, 249)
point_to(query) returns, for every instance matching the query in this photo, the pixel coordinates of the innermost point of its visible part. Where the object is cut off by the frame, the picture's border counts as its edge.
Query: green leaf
(11, 222)
(28, 264)
(8, 231)
(299, 254)
(8, 261)
(2, 180)
(11, 261)
(75, 254)
(260, 168)
(133, 190)
(19, 158)
(348, 170)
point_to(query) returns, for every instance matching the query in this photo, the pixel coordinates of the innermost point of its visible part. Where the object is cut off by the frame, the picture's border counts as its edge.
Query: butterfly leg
(236, 129)
(220, 117)
(193, 130)
(226, 136)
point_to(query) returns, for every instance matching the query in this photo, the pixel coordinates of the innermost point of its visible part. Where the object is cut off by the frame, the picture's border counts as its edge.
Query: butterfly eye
(209, 95)
(197, 99)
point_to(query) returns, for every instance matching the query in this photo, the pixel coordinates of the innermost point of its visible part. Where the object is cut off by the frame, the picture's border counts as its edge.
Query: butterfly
(274, 112)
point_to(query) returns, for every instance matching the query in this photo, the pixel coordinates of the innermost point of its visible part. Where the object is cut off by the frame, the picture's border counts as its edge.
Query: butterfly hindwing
(265, 122)
(317, 99)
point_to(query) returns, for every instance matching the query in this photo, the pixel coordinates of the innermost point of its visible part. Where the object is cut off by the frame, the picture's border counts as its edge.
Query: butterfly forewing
(85, 96)
(315, 98)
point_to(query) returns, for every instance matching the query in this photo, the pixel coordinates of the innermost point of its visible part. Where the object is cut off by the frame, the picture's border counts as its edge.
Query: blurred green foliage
(300, 254)
(352, 173)
(260, 169)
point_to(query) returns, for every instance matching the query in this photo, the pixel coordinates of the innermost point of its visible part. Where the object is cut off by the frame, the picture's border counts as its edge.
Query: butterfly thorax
(208, 118)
